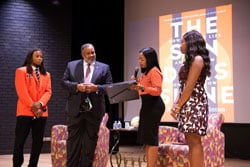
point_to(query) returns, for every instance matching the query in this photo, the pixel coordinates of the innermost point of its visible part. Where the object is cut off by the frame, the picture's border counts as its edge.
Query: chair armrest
(102, 147)
(215, 120)
(59, 132)
(213, 137)
(214, 147)
(58, 149)
(169, 134)
(59, 135)
(103, 134)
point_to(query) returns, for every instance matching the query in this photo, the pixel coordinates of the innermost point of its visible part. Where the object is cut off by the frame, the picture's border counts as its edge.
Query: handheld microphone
(136, 72)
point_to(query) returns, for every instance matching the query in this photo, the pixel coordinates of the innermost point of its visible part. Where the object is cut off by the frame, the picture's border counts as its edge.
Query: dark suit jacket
(73, 75)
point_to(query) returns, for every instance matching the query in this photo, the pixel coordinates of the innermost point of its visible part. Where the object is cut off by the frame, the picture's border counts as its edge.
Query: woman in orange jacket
(149, 87)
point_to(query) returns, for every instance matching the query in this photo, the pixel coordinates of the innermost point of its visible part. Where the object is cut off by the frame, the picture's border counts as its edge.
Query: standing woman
(191, 106)
(149, 86)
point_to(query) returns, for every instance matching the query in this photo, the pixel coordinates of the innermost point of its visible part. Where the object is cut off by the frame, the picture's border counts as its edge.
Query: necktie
(87, 76)
(37, 74)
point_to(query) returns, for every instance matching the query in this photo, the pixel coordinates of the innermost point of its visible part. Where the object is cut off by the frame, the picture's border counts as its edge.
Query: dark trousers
(82, 140)
(23, 126)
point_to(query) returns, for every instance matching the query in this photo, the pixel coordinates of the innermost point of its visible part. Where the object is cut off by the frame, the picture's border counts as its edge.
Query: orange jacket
(152, 82)
(29, 91)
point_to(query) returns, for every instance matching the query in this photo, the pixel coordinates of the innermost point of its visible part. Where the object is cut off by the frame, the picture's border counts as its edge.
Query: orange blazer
(29, 90)
(152, 82)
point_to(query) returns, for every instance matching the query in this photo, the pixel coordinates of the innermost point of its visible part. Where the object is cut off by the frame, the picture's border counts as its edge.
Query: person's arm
(172, 112)
(154, 87)
(100, 88)
(193, 76)
(66, 83)
(21, 88)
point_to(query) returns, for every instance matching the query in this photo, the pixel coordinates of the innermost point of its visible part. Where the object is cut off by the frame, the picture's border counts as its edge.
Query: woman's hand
(134, 78)
(137, 87)
(175, 111)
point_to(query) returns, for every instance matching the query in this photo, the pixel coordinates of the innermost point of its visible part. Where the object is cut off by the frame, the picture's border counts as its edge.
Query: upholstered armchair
(59, 136)
(173, 150)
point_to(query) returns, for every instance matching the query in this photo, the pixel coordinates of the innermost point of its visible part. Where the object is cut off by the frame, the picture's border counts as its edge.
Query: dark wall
(105, 29)
(102, 27)
(237, 139)
(59, 32)
(25, 24)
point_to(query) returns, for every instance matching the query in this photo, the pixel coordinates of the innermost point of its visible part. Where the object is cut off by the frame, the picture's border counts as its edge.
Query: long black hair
(151, 59)
(28, 62)
(196, 45)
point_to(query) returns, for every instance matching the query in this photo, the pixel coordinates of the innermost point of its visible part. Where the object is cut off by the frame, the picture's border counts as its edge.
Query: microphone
(136, 72)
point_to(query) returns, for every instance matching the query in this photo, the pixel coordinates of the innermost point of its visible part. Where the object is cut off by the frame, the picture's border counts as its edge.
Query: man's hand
(36, 106)
(38, 113)
(88, 88)
(81, 87)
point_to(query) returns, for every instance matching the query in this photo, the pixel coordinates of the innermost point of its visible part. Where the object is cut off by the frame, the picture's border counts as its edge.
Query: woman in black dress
(149, 86)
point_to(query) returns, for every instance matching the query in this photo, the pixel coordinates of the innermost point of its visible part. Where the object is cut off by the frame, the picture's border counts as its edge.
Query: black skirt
(151, 112)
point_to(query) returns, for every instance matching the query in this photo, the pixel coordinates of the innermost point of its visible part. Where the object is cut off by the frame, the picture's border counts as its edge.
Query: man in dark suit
(85, 81)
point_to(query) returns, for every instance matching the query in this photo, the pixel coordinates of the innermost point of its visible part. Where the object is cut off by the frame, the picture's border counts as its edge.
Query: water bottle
(115, 125)
(119, 125)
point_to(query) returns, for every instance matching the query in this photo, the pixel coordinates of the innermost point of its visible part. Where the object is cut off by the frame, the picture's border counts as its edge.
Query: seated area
(173, 150)
(59, 136)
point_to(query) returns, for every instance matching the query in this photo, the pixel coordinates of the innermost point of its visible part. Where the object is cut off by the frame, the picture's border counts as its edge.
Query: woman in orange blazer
(32, 111)
(149, 87)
